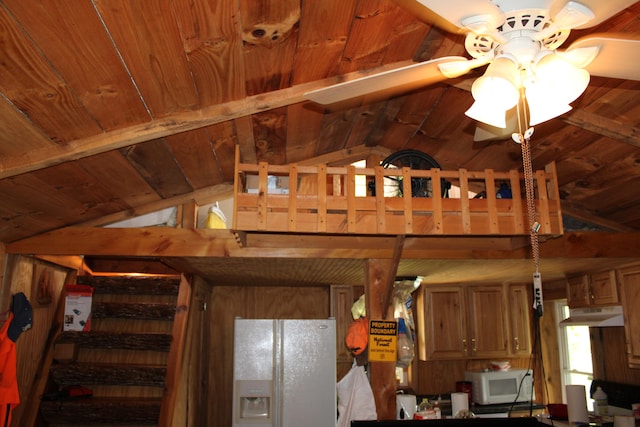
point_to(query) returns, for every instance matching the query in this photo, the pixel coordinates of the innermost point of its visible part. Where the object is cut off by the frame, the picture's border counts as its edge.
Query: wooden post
(382, 374)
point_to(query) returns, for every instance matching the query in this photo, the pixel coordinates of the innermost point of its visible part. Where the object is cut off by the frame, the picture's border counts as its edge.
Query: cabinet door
(578, 291)
(488, 325)
(629, 290)
(444, 322)
(520, 309)
(603, 289)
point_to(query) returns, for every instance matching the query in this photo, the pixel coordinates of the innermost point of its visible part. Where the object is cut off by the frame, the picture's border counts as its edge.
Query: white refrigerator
(284, 373)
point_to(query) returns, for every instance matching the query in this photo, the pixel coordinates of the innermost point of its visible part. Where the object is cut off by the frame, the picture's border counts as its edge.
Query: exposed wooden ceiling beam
(169, 125)
(174, 242)
(579, 214)
(603, 126)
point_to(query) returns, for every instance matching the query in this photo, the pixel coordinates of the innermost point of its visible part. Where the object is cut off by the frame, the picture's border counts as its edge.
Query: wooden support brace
(382, 374)
(391, 276)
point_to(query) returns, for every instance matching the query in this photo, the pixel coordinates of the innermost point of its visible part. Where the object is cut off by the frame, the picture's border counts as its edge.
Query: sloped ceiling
(112, 108)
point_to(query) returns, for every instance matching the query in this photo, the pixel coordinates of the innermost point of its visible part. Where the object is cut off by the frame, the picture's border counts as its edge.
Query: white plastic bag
(355, 397)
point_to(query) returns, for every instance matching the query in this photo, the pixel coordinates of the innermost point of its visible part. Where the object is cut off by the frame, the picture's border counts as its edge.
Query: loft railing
(323, 199)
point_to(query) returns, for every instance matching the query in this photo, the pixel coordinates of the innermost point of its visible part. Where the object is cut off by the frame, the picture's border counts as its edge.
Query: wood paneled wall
(610, 359)
(22, 274)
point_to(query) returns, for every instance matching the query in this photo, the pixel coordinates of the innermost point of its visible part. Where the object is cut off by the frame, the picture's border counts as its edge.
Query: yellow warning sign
(382, 340)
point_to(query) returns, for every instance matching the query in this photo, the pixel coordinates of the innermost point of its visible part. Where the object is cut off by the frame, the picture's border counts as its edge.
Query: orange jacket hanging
(9, 394)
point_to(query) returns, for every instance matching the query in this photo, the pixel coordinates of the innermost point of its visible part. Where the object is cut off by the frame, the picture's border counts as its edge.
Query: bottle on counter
(427, 411)
(600, 403)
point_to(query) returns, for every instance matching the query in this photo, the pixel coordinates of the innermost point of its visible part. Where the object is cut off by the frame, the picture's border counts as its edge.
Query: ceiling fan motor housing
(523, 35)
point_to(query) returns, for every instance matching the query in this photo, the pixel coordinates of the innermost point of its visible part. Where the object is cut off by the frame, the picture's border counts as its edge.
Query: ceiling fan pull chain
(531, 208)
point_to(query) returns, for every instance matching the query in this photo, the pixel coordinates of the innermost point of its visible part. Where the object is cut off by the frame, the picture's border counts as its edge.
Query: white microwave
(492, 387)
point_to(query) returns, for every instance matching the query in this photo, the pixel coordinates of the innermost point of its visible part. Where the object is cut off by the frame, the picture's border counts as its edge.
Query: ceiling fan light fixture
(541, 110)
(498, 87)
(559, 80)
(487, 113)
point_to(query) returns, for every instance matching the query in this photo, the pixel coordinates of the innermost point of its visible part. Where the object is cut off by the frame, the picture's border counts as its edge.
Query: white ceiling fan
(519, 39)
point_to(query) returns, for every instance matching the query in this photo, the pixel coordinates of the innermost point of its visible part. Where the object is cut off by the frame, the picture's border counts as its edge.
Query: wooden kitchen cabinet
(487, 321)
(592, 290)
(629, 291)
(458, 322)
(520, 309)
(442, 323)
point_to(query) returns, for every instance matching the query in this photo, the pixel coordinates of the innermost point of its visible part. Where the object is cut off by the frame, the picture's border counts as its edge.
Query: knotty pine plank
(24, 217)
(269, 33)
(581, 181)
(31, 84)
(148, 39)
(412, 111)
(321, 42)
(223, 138)
(195, 154)
(83, 55)
(210, 33)
(370, 118)
(335, 129)
(155, 162)
(304, 123)
(114, 180)
(17, 127)
(270, 135)
(376, 23)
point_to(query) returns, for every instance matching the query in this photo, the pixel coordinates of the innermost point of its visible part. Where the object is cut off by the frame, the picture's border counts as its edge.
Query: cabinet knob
(473, 345)
(517, 343)
(464, 346)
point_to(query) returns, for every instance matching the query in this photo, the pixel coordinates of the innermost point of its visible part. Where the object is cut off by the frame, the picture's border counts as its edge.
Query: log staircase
(124, 359)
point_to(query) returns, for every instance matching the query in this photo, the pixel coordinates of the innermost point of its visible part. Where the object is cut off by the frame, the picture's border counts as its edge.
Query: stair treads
(110, 340)
(101, 374)
(95, 410)
(133, 311)
(131, 285)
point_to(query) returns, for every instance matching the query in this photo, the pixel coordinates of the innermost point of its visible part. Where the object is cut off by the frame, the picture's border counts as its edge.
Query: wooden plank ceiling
(113, 108)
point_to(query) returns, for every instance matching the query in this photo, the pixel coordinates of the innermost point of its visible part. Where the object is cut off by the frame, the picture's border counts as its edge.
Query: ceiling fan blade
(602, 9)
(401, 79)
(469, 14)
(617, 58)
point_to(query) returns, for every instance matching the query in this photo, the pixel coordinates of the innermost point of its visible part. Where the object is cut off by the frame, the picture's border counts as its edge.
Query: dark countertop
(506, 407)
(473, 422)
(445, 406)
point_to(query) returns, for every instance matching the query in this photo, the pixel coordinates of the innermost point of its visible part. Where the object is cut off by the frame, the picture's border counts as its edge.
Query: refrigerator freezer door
(253, 373)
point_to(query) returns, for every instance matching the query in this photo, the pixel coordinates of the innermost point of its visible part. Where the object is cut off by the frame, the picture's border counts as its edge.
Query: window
(391, 186)
(575, 353)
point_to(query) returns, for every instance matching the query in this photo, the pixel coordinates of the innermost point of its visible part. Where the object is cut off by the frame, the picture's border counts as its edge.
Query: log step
(109, 310)
(131, 285)
(112, 340)
(103, 374)
(93, 410)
